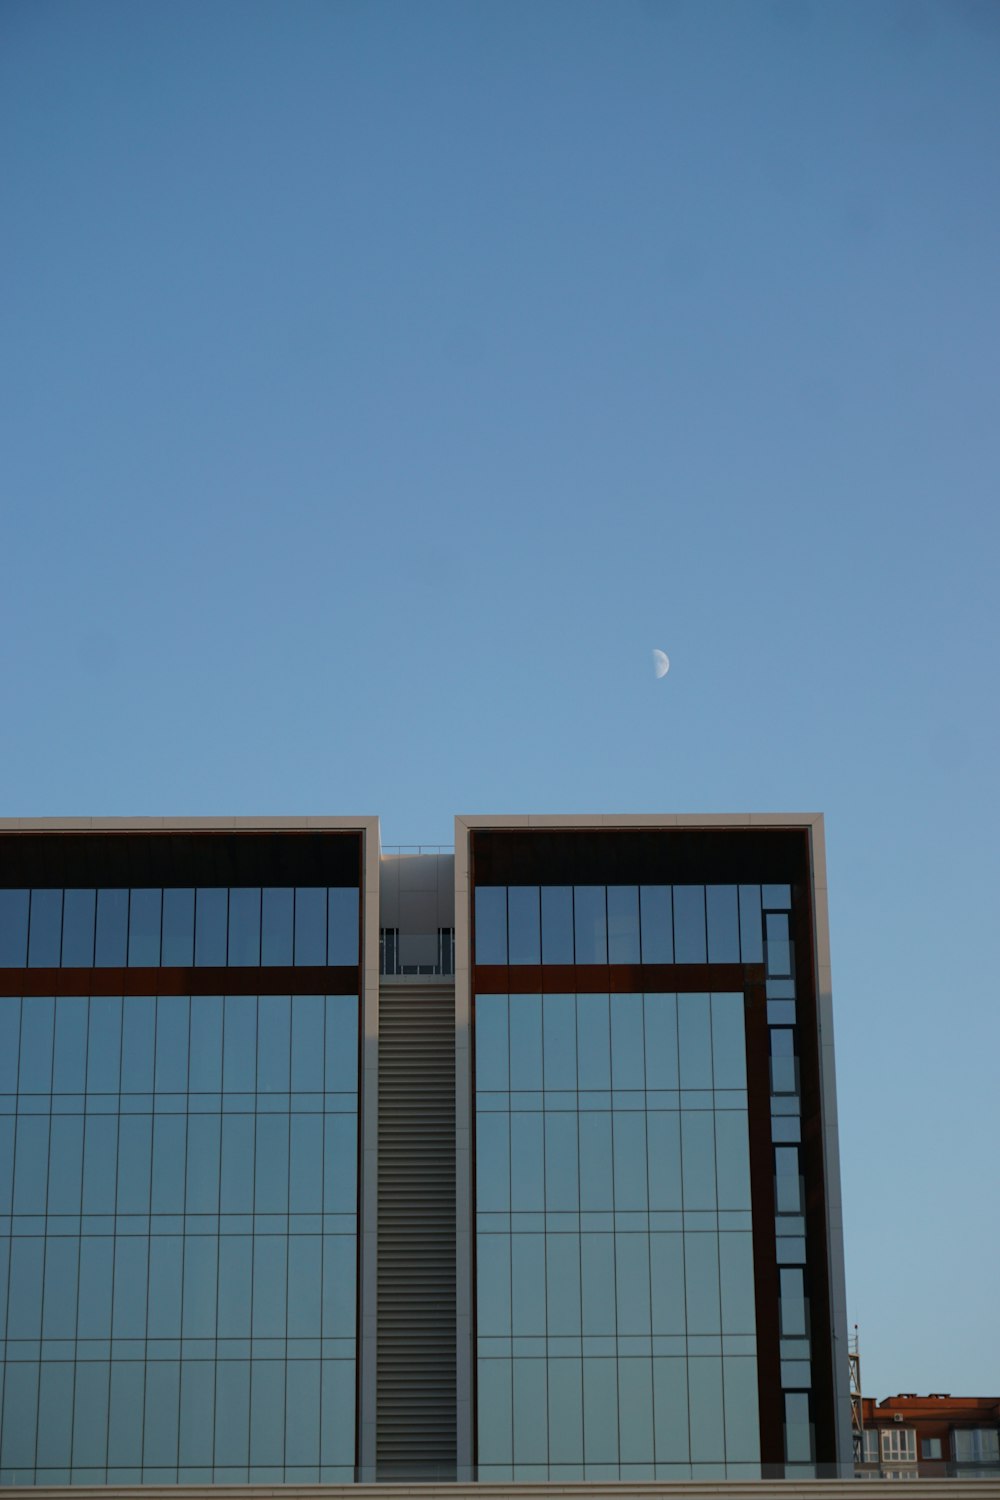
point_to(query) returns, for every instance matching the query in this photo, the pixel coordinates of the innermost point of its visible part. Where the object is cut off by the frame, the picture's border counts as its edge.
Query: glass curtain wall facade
(179, 1190)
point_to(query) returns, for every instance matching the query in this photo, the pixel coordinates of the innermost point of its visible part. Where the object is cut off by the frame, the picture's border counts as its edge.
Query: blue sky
(379, 383)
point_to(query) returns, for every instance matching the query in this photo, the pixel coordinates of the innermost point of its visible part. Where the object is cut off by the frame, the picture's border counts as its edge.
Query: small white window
(930, 1447)
(869, 1445)
(899, 1445)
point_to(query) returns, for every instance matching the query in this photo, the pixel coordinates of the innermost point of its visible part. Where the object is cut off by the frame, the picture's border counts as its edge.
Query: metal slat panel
(416, 1400)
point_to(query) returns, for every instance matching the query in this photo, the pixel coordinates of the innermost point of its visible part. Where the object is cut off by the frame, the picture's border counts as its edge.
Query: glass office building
(323, 1162)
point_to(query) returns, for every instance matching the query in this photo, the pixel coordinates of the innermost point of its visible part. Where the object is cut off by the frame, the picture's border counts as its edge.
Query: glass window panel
(340, 1164)
(169, 1133)
(666, 1271)
(129, 1307)
(689, 924)
(629, 1128)
(235, 1285)
(491, 1043)
(493, 1285)
(628, 1068)
(10, 1043)
(523, 924)
(530, 1412)
(557, 924)
(68, 1071)
(660, 1022)
(705, 1410)
(267, 1412)
(562, 1177)
(302, 1413)
(635, 1410)
(729, 1052)
(96, 1273)
(100, 1144)
(798, 1432)
(270, 1253)
(527, 1163)
(62, 1263)
(663, 1131)
(307, 1043)
(6, 1176)
(20, 1416)
(32, 1164)
(205, 1073)
(13, 929)
(698, 1159)
(594, 1042)
(623, 924)
(777, 897)
(274, 1042)
(305, 1285)
(528, 1285)
(277, 922)
(45, 929)
(565, 1410)
(244, 927)
(597, 1262)
(525, 1042)
(590, 922)
(271, 1165)
(90, 1414)
(751, 927)
(491, 924)
(104, 1044)
(211, 922)
(305, 1188)
(596, 1179)
(178, 928)
(138, 1044)
(37, 1022)
(344, 925)
(310, 925)
(737, 1283)
(173, 1019)
(495, 1411)
(55, 1415)
(135, 1151)
(197, 1411)
(145, 911)
(24, 1311)
(339, 1276)
(559, 1041)
(201, 1274)
(793, 1304)
(165, 1282)
(657, 924)
(632, 1277)
(670, 1411)
(742, 1418)
(600, 1411)
(562, 1268)
(79, 912)
(723, 924)
(695, 1041)
(232, 1412)
(342, 1043)
(239, 1044)
(163, 1391)
(778, 946)
(111, 945)
(337, 1417)
(493, 1163)
(701, 1268)
(128, 1380)
(66, 1165)
(203, 1164)
(732, 1158)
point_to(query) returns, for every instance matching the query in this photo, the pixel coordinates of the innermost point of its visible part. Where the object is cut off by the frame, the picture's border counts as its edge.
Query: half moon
(661, 663)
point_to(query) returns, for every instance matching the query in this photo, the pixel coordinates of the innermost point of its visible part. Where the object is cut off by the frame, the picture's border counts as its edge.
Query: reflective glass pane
(69, 1067)
(129, 1305)
(96, 1272)
(79, 915)
(138, 1044)
(239, 1044)
(62, 1263)
(267, 1412)
(277, 922)
(663, 1131)
(629, 1129)
(305, 1187)
(628, 1064)
(705, 1415)
(169, 1143)
(530, 1412)
(302, 1412)
(111, 946)
(524, 925)
(732, 1154)
(165, 1284)
(310, 925)
(698, 1159)
(776, 897)
(235, 1283)
(31, 1164)
(305, 1285)
(527, 1162)
(173, 1014)
(562, 1272)
(557, 924)
(135, 1146)
(562, 1178)
(666, 1269)
(495, 1411)
(13, 929)
(274, 1041)
(600, 1411)
(751, 927)
(145, 912)
(163, 1393)
(210, 926)
(528, 1285)
(778, 946)
(178, 928)
(593, 1042)
(20, 1417)
(10, 1041)
(657, 924)
(244, 926)
(491, 924)
(66, 1165)
(197, 1411)
(492, 1048)
(623, 924)
(723, 924)
(203, 1165)
(45, 929)
(493, 1163)
(596, 1168)
(632, 1284)
(55, 1414)
(343, 930)
(525, 1042)
(232, 1412)
(590, 922)
(793, 1303)
(342, 1043)
(695, 1041)
(597, 1266)
(660, 1023)
(205, 1072)
(307, 1043)
(737, 1283)
(559, 1041)
(729, 1052)
(635, 1410)
(104, 1044)
(742, 1418)
(689, 924)
(565, 1410)
(37, 1019)
(670, 1411)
